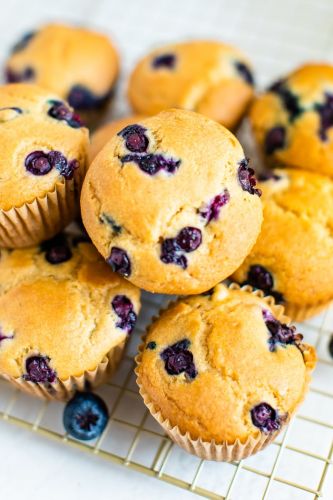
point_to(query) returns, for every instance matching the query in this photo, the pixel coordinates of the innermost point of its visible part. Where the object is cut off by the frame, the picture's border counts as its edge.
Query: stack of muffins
(171, 206)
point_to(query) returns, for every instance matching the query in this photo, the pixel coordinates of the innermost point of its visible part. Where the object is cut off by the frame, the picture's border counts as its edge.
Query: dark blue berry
(189, 239)
(81, 98)
(119, 261)
(152, 163)
(330, 346)
(290, 101)
(245, 72)
(5, 337)
(259, 277)
(281, 334)
(247, 178)
(124, 309)
(21, 44)
(12, 76)
(85, 416)
(135, 138)
(38, 370)
(107, 219)
(38, 163)
(164, 61)
(178, 359)
(60, 111)
(172, 249)
(275, 139)
(325, 111)
(57, 249)
(151, 345)
(265, 418)
(212, 210)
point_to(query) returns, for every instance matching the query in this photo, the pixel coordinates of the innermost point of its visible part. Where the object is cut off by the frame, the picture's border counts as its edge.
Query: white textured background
(276, 35)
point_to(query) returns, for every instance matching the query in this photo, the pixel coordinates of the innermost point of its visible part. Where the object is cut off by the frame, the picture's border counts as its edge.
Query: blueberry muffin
(43, 163)
(79, 65)
(223, 372)
(204, 76)
(104, 133)
(293, 256)
(293, 120)
(64, 316)
(171, 203)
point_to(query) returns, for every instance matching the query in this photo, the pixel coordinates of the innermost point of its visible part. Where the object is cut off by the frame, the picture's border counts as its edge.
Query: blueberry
(212, 210)
(290, 101)
(245, 72)
(85, 416)
(38, 370)
(259, 277)
(325, 111)
(246, 178)
(59, 111)
(21, 44)
(178, 359)
(275, 139)
(124, 309)
(164, 61)
(56, 250)
(151, 345)
(38, 163)
(12, 76)
(119, 261)
(151, 163)
(330, 346)
(188, 240)
(5, 337)
(265, 418)
(83, 99)
(107, 219)
(135, 138)
(281, 334)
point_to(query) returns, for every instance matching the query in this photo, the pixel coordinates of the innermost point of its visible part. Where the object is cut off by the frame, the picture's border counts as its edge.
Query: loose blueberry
(212, 210)
(325, 111)
(330, 346)
(107, 219)
(265, 418)
(38, 370)
(38, 163)
(247, 178)
(275, 139)
(124, 309)
(56, 250)
(178, 359)
(164, 61)
(21, 44)
(151, 164)
(119, 261)
(85, 416)
(135, 138)
(12, 76)
(245, 72)
(151, 345)
(290, 101)
(81, 98)
(60, 111)
(281, 334)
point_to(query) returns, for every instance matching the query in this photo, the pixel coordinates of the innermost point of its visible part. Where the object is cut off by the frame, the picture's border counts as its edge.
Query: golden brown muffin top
(60, 303)
(43, 144)
(162, 200)
(213, 364)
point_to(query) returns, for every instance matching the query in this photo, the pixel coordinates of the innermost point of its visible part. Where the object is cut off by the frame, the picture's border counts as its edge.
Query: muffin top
(224, 366)
(162, 200)
(43, 144)
(204, 76)
(62, 309)
(293, 120)
(293, 256)
(104, 134)
(79, 65)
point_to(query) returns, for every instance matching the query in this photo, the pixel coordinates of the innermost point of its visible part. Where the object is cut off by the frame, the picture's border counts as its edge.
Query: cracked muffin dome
(293, 120)
(223, 367)
(64, 316)
(103, 134)
(80, 65)
(204, 76)
(293, 256)
(43, 162)
(171, 204)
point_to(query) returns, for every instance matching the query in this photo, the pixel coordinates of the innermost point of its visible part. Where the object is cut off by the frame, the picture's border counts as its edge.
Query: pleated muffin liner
(42, 218)
(300, 313)
(63, 390)
(225, 451)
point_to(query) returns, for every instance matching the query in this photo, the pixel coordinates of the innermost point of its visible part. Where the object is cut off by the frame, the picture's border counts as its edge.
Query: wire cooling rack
(277, 36)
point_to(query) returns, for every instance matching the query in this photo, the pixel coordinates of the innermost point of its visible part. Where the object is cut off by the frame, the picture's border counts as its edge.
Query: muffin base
(41, 219)
(225, 451)
(63, 390)
(300, 313)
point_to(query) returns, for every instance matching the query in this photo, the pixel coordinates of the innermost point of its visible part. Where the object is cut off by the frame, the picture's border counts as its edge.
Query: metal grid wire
(277, 35)
(298, 462)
